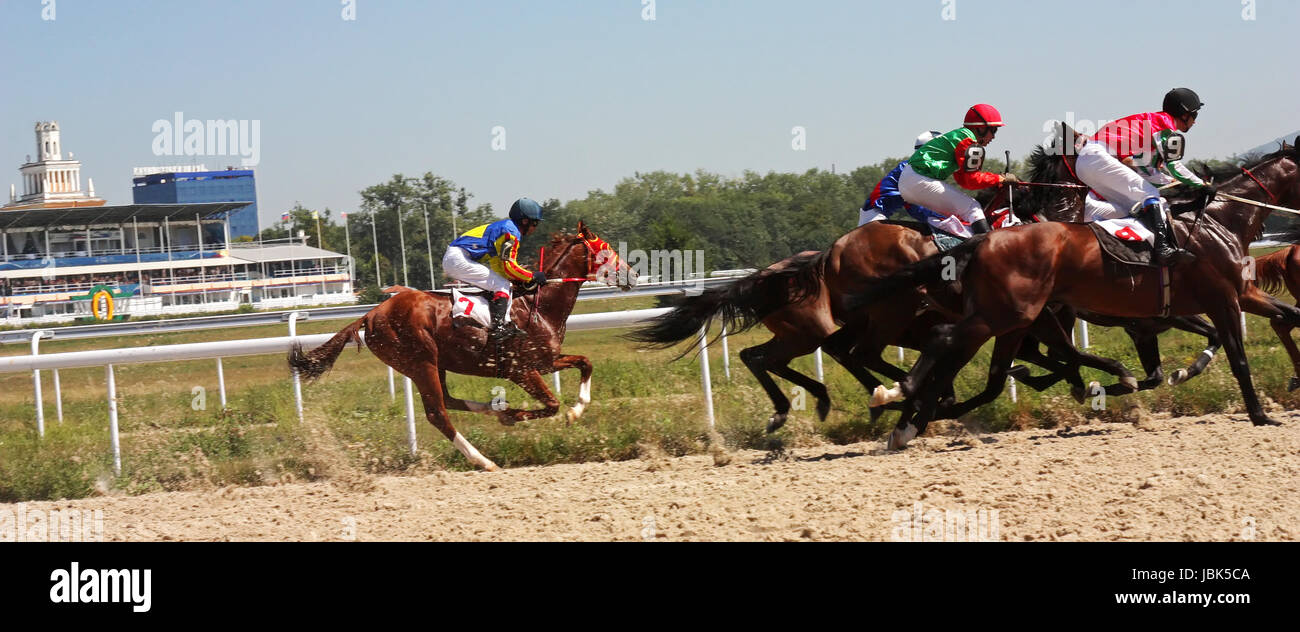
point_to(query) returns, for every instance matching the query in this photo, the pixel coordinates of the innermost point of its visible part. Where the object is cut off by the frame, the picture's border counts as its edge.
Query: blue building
(187, 187)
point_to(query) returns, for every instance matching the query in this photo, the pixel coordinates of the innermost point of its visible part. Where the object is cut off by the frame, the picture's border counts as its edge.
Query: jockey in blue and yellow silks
(485, 257)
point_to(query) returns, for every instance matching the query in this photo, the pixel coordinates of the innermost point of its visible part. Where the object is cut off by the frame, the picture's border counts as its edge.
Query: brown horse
(1274, 271)
(801, 301)
(414, 333)
(1010, 275)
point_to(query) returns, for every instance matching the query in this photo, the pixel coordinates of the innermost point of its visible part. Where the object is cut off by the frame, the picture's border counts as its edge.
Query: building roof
(280, 253)
(113, 215)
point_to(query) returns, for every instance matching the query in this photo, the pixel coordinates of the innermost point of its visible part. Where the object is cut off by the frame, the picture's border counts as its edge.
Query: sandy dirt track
(1204, 478)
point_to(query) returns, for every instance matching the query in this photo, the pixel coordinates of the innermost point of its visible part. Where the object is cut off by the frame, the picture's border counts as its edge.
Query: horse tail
(920, 273)
(1270, 270)
(313, 364)
(741, 305)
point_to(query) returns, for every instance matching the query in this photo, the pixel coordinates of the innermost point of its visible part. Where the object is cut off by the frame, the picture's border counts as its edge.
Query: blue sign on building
(231, 185)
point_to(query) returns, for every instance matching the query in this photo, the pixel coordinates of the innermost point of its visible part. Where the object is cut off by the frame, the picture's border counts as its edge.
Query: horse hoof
(775, 422)
(823, 409)
(491, 467)
(1293, 384)
(1078, 394)
(1129, 383)
(900, 436)
(1265, 421)
(1180, 376)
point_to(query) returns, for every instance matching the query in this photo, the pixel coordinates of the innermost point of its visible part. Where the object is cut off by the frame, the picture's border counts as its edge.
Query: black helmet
(1181, 101)
(524, 207)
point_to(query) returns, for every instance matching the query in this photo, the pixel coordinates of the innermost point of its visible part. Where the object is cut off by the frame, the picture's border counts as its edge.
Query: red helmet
(983, 115)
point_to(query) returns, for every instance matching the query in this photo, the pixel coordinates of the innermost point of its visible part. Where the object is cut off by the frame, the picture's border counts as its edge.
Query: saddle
(1128, 252)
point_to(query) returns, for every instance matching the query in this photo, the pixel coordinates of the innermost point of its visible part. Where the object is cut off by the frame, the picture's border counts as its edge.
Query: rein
(1261, 184)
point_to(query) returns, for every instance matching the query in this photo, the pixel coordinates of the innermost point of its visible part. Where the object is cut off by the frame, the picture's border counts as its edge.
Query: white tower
(47, 142)
(50, 181)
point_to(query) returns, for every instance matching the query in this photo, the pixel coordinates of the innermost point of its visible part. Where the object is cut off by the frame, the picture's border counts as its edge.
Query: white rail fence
(108, 358)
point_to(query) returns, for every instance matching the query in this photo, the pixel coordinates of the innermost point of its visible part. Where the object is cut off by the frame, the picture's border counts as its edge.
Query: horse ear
(582, 228)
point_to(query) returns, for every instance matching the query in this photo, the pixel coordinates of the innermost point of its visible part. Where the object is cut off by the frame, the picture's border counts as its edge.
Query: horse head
(586, 256)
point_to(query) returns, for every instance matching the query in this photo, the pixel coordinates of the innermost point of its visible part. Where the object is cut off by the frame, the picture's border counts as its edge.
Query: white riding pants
(1122, 187)
(938, 196)
(457, 265)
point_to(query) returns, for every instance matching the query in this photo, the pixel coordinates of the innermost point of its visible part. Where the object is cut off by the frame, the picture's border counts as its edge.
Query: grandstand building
(61, 247)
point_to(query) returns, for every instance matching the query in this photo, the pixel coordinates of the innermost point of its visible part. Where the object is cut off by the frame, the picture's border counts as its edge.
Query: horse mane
(1232, 169)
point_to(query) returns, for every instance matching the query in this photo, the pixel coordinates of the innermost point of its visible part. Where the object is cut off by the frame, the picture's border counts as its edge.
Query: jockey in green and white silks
(1128, 161)
(959, 154)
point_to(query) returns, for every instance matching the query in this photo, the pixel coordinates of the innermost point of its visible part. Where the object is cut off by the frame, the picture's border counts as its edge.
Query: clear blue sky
(590, 93)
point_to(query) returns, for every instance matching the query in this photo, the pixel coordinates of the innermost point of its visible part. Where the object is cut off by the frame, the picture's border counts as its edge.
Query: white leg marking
(899, 438)
(584, 398)
(882, 395)
(473, 455)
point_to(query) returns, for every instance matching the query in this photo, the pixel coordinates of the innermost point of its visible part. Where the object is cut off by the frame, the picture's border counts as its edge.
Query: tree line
(747, 221)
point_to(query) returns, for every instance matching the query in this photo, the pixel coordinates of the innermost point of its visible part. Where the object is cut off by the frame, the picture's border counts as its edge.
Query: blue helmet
(524, 207)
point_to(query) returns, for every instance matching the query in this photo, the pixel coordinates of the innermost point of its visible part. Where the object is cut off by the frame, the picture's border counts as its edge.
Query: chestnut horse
(1009, 276)
(413, 332)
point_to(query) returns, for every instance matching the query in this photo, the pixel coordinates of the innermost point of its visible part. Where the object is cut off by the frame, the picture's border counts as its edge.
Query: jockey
(885, 200)
(485, 257)
(960, 154)
(1128, 160)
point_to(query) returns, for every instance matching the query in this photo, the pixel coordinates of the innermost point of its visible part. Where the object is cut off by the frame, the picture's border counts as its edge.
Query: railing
(309, 272)
(114, 252)
(108, 358)
(165, 280)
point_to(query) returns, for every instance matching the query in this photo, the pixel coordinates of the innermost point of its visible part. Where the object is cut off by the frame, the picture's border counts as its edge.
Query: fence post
(58, 396)
(221, 383)
(36, 379)
(297, 381)
(726, 356)
(392, 386)
(1011, 387)
(817, 362)
(556, 377)
(410, 416)
(704, 374)
(112, 422)
(1083, 325)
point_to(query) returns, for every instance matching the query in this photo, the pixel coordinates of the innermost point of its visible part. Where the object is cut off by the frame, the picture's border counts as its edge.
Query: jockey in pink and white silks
(960, 154)
(1128, 161)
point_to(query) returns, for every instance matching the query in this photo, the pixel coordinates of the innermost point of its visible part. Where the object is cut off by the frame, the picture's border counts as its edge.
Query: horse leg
(1227, 319)
(817, 389)
(1004, 351)
(1283, 319)
(940, 341)
(757, 359)
(1196, 325)
(584, 390)
(466, 405)
(955, 346)
(840, 346)
(532, 383)
(428, 381)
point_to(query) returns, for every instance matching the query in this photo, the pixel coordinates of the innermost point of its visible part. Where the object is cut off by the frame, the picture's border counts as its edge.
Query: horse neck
(557, 300)
(1246, 220)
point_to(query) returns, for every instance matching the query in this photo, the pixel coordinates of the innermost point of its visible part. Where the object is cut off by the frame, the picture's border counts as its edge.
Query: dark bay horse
(413, 332)
(1011, 274)
(801, 301)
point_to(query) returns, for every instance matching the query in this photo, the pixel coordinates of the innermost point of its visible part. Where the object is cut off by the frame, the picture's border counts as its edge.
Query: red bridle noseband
(1271, 197)
(595, 246)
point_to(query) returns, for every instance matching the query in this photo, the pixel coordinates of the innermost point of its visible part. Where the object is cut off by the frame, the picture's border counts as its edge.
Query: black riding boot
(979, 227)
(1166, 253)
(502, 329)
